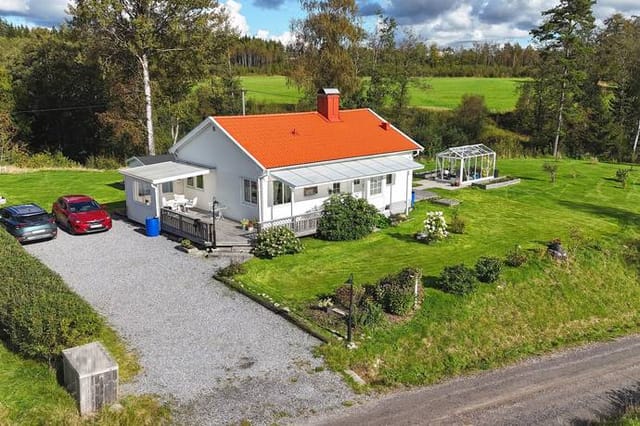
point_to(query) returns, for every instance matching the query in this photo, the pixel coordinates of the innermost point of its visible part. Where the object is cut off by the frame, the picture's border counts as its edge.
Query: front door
(358, 188)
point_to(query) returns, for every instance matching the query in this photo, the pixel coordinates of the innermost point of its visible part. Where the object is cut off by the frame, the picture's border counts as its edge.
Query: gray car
(28, 222)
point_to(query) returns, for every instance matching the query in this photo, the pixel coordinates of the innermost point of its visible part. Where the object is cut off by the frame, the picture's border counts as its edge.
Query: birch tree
(162, 38)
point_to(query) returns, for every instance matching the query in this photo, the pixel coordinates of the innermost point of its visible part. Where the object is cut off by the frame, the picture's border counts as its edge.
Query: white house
(276, 168)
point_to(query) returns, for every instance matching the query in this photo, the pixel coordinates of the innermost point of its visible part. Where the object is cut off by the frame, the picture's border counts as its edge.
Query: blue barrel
(413, 199)
(152, 226)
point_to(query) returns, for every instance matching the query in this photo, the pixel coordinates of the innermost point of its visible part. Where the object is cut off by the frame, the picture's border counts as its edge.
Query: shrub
(457, 279)
(186, 243)
(102, 162)
(368, 314)
(435, 227)
(382, 221)
(233, 269)
(276, 241)
(42, 160)
(345, 217)
(622, 176)
(488, 269)
(552, 169)
(343, 294)
(457, 224)
(39, 315)
(515, 257)
(396, 293)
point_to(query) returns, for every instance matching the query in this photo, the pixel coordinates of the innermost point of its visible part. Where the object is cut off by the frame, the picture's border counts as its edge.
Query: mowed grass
(44, 187)
(533, 309)
(501, 94)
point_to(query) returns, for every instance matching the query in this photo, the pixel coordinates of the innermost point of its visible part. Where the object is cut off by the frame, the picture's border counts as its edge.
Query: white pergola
(466, 164)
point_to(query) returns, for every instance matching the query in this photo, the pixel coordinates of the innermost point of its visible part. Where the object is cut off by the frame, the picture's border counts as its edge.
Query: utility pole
(244, 109)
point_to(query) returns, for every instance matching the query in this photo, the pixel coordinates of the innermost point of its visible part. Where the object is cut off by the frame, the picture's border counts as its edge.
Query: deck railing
(196, 230)
(301, 225)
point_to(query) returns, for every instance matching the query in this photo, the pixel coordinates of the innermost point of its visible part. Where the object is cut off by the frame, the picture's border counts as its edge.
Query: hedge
(39, 315)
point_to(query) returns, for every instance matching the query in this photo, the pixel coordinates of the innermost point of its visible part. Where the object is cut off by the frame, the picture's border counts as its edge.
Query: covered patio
(464, 165)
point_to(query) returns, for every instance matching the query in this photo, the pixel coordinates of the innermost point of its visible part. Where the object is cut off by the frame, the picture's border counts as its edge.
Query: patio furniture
(189, 204)
(169, 203)
(180, 201)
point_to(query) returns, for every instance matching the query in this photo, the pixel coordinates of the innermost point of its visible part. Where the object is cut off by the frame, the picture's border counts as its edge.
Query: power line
(61, 109)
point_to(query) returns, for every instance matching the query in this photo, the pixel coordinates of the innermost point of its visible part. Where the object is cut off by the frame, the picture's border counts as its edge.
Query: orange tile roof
(279, 140)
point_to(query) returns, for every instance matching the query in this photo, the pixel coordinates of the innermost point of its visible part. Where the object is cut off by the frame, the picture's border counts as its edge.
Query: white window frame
(375, 185)
(310, 191)
(248, 187)
(142, 192)
(285, 194)
(390, 179)
(167, 187)
(196, 182)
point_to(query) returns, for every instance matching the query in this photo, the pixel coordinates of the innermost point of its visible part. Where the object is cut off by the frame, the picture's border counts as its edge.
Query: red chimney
(329, 104)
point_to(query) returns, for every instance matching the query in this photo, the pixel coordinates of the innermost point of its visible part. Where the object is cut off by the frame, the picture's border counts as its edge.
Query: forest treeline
(120, 79)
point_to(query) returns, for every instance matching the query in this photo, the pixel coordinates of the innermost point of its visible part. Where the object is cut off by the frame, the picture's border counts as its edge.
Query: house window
(167, 187)
(390, 179)
(197, 182)
(335, 188)
(281, 193)
(356, 181)
(375, 185)
(310, 191)
(142, 192)
(250, 189)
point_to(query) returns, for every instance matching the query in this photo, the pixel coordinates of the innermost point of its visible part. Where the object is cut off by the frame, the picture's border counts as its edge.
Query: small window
(197, 182)
(167, 187)
(356, 181)
(375, 185)
(250, 191)
(142, 193)
(390, 179)
(310, 191)
(190, 182)
(281, 193)
(335, 188)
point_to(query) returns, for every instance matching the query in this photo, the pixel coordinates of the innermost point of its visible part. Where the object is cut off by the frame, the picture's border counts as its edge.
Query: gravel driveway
(218, 356)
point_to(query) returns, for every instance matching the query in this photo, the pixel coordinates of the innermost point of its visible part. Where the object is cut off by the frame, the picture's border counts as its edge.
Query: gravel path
(218, 356)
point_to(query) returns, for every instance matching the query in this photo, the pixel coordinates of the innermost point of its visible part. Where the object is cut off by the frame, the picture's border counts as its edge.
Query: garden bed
(497, 183)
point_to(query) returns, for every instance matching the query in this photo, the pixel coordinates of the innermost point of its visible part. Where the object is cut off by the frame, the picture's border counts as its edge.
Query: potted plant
(187, 246)
(251, 223)
(245, 224)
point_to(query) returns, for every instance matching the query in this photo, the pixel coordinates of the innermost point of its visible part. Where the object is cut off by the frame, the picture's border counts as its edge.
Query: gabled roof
(145, 160)
(281, 140)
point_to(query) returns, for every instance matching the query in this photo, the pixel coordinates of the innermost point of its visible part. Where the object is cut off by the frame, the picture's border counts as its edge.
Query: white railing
(301, 225)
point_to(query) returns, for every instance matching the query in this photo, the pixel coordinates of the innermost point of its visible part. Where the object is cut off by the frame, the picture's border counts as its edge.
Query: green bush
(396, 293)
(39, 315)
(457, 224)
(41, 160)
(345, 217)
(622, 176)
(368, 314)
(277, 241)
(515, 257)
(233, 269)
(457, 279)
(488, 269)
(102, 162)
(382, 221)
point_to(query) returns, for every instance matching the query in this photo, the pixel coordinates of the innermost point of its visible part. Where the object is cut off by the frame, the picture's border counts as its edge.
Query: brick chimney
(329, 104)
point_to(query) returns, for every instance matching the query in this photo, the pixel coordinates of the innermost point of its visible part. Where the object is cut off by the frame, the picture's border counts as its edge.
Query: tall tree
(565, 37)
(326, 43)
(177, 35)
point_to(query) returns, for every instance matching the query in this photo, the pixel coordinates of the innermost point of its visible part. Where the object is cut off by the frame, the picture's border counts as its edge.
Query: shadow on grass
(619, 402)
(430, 281)
(625, 217)
(117, 185)
(531, 178)
(408, 238)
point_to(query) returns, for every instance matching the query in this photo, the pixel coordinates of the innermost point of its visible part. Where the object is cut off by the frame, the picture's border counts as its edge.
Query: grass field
(533, 309)
(434, 92)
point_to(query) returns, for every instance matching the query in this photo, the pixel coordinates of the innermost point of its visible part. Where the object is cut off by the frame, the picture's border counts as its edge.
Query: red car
(80, 214)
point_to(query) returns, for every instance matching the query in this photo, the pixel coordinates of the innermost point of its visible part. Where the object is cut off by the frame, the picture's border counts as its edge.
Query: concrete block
(91, 376)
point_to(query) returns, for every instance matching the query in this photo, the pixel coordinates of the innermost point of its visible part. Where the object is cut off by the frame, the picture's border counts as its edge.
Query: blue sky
(446, 22)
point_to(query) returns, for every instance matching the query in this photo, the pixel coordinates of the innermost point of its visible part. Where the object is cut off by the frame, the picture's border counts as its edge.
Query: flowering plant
(435, 226)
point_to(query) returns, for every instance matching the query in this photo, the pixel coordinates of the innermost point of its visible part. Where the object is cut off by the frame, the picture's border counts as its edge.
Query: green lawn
(535, 308)
(43, 187)
(430, 92)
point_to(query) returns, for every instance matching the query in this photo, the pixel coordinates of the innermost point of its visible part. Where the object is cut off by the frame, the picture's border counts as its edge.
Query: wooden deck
(197, 225)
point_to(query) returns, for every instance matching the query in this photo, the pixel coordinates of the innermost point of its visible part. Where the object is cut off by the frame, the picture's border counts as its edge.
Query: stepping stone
(421, 194)
(449, 202)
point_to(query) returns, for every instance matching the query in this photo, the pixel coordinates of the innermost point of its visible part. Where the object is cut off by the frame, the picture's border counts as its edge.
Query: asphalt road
(575, 387)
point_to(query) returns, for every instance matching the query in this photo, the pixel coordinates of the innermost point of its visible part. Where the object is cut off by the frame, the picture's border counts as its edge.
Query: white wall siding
(136, 210)
(214, 149)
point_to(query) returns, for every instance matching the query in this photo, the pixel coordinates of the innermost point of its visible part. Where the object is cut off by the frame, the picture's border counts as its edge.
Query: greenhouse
(463, 165)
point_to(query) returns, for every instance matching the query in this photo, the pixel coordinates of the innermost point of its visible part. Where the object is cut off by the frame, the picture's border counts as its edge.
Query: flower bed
(498, 182)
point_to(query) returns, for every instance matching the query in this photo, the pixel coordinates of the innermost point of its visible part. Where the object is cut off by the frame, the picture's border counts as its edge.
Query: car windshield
(34, 218)
(83, 206)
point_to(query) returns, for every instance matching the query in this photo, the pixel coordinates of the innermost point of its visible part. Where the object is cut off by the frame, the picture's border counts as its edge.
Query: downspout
(156, 200)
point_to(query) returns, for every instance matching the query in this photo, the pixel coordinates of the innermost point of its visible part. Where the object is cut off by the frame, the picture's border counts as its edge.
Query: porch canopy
(304, 176)
(168, 171)
(466, 163)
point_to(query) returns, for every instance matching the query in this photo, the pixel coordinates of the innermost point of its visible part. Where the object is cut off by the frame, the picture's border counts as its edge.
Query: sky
(446, 22)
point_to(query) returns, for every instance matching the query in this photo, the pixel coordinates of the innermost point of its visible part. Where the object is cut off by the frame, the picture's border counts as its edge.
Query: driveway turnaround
(216, 355)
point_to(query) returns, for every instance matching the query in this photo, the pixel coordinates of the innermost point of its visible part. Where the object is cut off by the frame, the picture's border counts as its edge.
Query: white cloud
(237, 19)
(284, 38)
(39, 12)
